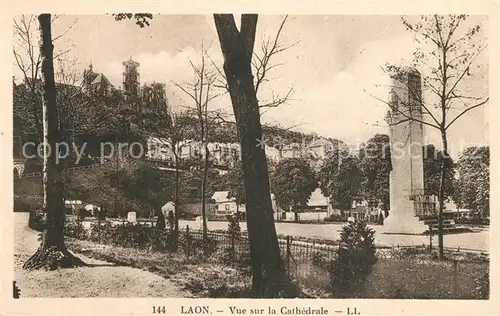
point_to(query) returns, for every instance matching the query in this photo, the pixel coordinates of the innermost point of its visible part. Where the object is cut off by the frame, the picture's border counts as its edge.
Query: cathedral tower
(131, 79)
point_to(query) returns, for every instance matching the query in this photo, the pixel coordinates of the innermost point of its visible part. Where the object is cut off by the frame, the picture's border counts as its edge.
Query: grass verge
(202, 279)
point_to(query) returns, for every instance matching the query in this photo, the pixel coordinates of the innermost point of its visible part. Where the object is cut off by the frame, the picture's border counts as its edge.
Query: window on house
(227, 207)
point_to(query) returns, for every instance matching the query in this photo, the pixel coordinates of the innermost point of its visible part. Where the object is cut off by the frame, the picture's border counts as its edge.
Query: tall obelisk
(406, 135)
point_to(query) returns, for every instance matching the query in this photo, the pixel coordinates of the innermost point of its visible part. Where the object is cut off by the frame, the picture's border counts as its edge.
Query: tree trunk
(52, 253)
(237, 49)
(442, 185)
(204, 190)
(176, 202)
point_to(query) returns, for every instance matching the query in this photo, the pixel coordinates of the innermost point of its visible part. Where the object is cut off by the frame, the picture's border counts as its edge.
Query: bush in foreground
(143, 237)
(356, 257)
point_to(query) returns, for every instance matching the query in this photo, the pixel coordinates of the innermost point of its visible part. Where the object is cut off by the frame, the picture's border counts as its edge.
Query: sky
(334, 67)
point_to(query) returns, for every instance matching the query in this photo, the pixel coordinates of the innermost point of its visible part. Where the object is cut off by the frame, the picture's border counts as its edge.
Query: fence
(295, 253)
(309, 263)
(397, 274)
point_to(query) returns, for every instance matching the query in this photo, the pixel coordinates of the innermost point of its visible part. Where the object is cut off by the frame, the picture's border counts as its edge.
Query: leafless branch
(465, 111)
(277, 100)
(66, 31)
(403, 113)
(464, 72)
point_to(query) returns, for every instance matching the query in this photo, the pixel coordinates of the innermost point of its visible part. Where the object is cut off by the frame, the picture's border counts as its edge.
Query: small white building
(225, 205)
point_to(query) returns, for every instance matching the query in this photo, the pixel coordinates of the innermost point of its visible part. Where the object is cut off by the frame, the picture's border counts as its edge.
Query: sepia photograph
(251, 156)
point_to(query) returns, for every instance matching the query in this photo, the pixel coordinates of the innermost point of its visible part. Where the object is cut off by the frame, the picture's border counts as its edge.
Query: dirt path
(102, 279)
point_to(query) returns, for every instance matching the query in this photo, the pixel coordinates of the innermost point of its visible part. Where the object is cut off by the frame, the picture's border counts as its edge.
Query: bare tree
(52, 252)
(264, 64)
(27, 59)
(170, 128)
(453, 49)
(237, 48)
(202, 92)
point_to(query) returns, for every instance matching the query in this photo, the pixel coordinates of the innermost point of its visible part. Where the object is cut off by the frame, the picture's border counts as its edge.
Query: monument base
(403, 224)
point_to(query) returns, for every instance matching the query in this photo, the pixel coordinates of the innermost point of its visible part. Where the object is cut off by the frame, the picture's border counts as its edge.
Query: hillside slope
(94, 186)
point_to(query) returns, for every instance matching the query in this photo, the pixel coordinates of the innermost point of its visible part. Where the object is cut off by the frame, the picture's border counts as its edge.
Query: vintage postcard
(249, 159)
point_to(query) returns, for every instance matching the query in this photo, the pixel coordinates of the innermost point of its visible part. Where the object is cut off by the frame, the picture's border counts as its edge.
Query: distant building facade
(153, 96)
(96, 83)
(321, 148)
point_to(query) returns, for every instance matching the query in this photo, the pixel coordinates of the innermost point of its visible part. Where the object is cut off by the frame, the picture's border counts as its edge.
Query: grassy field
(407, 280)
(202, 279)
(401, 275)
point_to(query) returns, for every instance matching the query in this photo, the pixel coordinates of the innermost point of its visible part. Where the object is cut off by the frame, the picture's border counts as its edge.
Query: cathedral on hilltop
(143, 99)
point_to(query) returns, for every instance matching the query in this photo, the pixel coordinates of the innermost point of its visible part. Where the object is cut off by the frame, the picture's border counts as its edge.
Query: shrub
(128, 235)
(228, 256)
(196, 246)
(234, 229)
(234, 232)
(186, 242)
(209, 246)
(75, 229)
(319, 259)
(160, 239)
(483, 286)
(355, 259)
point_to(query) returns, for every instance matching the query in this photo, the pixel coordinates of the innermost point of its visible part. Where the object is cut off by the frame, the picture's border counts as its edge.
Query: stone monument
(406, 137)
(132, 217)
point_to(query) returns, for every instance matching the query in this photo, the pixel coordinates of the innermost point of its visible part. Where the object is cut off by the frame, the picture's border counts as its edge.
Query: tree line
(345, 177)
